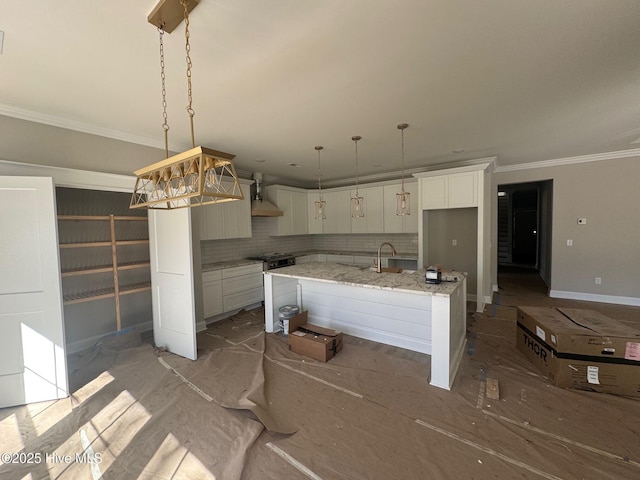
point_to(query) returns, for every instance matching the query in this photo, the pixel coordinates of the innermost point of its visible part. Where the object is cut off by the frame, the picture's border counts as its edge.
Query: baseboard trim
(78, 346)
(594, 297)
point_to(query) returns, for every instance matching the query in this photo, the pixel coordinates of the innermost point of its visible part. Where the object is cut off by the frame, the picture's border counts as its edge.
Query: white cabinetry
(293, 203)
(456, 190)
(338, 212)
(228, 219)
(230, 289)
(401, 223)
(372, 222)
(316, 225)
(241, 286)
(212, 293)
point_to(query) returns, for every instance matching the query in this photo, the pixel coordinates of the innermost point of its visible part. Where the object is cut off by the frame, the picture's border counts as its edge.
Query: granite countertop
(363, 277)
(238, 262)
(368, 253)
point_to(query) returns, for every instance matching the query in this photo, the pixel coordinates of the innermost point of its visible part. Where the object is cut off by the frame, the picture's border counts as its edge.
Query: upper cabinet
(299, 208)
(401, 223)
(228, 219)
(338, 211)
(315, 225)
(454, 190)
(374, 211)
(293, 203)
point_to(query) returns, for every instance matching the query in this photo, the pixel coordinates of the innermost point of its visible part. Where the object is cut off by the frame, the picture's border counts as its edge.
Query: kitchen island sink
(390, 308)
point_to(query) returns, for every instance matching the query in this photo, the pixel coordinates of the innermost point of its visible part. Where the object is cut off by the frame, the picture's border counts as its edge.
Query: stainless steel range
(275, 260)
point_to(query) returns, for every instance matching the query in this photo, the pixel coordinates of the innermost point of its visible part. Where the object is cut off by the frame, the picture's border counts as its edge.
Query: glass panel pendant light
(321, 205)
(403, 205)
(357, 202)
(198, 176)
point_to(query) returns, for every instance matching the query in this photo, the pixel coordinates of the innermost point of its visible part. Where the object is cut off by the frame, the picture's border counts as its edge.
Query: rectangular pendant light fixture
(199, 176)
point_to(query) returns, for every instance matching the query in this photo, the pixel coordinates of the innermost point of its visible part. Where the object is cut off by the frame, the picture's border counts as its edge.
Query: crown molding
(53, 121)
(596, 157)
(70, 177)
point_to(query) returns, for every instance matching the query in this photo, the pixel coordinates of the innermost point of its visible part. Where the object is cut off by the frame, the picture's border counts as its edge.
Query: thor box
(581, 349)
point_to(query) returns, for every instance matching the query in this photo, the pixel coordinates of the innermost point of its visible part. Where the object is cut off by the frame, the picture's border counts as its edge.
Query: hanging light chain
(190, 110)
(401, 127)
(355, 139)
(318, 148)
(165, 124)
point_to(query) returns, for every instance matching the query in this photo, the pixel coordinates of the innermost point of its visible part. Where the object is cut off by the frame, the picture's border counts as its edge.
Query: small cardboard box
(311, 340)
(581, 349)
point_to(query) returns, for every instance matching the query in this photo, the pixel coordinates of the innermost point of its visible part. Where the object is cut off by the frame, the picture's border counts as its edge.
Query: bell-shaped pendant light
(403, 205)
(321, 205)
(357, 202)
(198, 176)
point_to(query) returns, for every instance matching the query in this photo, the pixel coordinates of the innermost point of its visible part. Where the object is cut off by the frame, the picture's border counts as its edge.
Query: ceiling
(521, 80)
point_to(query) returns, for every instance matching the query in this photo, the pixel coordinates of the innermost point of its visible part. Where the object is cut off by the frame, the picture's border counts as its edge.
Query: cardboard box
(581, 349)
(311, 340)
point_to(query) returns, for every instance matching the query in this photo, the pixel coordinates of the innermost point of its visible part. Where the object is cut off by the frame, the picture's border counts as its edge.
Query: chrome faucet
(393, 254)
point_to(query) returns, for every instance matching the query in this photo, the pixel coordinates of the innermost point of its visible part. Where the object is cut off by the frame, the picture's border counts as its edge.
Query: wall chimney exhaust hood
(259, 206)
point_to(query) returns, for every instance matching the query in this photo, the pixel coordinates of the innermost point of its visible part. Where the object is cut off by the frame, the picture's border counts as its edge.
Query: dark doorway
(524, 241)
(524, 227)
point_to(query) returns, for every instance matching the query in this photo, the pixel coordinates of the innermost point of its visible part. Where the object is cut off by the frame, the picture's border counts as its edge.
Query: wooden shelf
(72, 272)
(131, 266)
(74, 298)
(132, 242)
(117, 290)
(86, 271)
(135, 288)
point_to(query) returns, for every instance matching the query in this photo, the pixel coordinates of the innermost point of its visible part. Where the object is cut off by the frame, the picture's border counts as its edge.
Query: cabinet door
(237, 216)
(434, 192)
(372, 222)
(338, 212)
(316, 225)
(375, 209)
(463, 190)
(212, 297)
(282, 200)
(401, 223)
(212, 224)
(392, 222)
(410, 222)
(299, 213)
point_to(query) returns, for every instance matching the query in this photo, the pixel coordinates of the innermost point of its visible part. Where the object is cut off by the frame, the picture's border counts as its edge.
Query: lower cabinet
(212, 293)
(230, 289)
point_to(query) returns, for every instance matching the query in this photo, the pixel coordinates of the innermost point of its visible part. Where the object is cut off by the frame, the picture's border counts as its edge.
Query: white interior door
(172, 280)
(33, 364)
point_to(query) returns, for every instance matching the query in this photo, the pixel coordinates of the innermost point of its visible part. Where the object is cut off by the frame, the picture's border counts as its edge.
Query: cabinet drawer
(242, 299)
(211, 276)
(242, 270)
(241, 284)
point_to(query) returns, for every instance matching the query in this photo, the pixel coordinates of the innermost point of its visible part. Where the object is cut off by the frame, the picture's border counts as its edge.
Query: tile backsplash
(214, 251)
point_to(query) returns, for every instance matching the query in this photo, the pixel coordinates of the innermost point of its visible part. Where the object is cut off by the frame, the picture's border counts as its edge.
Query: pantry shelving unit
(118, 289)
(105, 268)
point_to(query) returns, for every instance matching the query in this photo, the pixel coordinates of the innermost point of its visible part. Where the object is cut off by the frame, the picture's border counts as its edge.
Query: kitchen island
(397, 309)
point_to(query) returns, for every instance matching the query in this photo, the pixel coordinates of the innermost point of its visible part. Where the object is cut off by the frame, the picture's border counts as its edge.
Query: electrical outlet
(582, 221)
(569, 243)
(454, 242)
(598, 281)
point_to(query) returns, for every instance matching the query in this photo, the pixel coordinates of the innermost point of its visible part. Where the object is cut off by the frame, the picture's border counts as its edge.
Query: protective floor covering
(248, 408)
